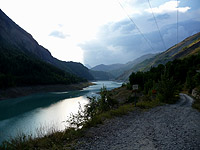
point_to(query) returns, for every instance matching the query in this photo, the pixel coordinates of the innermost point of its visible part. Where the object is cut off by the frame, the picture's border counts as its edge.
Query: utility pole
(135, 88)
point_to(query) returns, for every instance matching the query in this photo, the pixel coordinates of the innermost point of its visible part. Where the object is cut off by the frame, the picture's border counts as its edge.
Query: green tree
(166, 89)
(137, 78)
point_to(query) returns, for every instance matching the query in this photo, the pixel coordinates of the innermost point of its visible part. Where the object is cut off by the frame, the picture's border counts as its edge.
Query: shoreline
(16, 92)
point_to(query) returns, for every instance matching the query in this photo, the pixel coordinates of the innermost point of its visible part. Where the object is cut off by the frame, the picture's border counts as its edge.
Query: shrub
(166, 89)
(149, 104)
(95, 107)
(196, 103)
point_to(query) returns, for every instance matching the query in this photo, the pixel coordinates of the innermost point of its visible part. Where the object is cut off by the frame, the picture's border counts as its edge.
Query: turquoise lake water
(38, 114)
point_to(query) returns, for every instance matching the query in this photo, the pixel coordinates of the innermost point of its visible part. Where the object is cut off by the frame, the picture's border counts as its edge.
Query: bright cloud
(170, 6)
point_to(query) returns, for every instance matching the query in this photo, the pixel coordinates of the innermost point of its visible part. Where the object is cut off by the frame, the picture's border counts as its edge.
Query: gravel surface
(169, 127)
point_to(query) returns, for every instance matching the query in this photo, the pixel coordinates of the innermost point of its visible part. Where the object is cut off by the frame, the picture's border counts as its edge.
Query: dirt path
(169, 127)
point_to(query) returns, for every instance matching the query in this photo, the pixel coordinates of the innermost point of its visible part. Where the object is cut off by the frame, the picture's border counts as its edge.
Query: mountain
(129, 65)
(188, 46)
(88, 66)
(117, 69)
(13, 36)
(107, 68)
(101, 75)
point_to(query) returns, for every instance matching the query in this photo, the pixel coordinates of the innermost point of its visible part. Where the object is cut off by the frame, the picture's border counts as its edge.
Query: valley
(142, 91)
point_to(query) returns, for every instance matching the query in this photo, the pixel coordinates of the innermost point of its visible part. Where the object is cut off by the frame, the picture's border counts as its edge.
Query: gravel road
(169, 127)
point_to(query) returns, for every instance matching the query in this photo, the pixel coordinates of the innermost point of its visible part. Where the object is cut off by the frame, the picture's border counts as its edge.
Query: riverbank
(15, 92)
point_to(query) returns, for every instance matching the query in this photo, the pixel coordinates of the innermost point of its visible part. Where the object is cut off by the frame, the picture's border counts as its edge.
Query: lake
(41, 113)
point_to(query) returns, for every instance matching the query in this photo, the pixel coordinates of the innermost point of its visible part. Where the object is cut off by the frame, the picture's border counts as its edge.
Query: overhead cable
(157, 25)
(136, 26)
(177, 20)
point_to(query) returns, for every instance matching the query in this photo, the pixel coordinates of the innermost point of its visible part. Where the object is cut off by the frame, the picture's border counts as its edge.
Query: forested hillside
(19, 69)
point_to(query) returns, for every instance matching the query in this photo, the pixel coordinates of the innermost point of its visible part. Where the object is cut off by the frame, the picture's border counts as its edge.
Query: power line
(177, 21)
(135, 25)
(157, 24)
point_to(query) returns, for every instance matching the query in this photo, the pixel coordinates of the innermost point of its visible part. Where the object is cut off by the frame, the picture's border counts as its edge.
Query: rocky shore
(24, 91)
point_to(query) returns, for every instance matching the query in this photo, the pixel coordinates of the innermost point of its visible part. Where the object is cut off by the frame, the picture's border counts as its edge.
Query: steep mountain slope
(11, 35)
(189, 46)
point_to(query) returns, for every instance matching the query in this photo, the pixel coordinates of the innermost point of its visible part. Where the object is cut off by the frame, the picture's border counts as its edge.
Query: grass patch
(100, 118)
(196, 97)
(196, 105)
(54, 141)
(149, 104)
(194, 52)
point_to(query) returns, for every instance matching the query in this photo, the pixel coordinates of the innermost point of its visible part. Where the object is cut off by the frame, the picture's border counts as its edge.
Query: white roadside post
(135, 88)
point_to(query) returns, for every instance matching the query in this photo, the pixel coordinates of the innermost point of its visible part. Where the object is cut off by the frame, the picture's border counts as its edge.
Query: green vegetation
(55, 141)
(147, 104)
(196, 41)
(19, 69)
(167, 80)
(196, 103)
(189, 50)
(196, 51)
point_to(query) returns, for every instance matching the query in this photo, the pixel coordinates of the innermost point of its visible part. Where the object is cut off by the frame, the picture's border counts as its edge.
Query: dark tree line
(167, 79)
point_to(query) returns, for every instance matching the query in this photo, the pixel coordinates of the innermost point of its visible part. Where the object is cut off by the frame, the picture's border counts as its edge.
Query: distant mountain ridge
(188, 46)
(13, 35)
(117, 69)
(107, 68)
(131, 64)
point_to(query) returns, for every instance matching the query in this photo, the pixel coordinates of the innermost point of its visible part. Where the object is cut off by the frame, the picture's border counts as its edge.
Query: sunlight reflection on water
(42, 120)
(39, 114)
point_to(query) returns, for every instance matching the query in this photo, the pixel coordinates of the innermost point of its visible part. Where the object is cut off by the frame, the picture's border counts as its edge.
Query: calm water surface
(40, 113)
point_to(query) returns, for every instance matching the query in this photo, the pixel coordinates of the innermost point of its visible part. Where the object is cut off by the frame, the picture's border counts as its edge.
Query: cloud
(58, 34)
(161, 17)
(171, 6)
(116, 45)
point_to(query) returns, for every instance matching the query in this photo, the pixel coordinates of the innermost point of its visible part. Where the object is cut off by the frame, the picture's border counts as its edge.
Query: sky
(105, 31)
